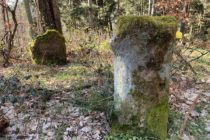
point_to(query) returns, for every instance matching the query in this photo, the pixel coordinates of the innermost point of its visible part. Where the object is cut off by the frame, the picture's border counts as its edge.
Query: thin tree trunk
(149, 7)
(29, 16)
(118, 7)
(153, 7)
(90, 4)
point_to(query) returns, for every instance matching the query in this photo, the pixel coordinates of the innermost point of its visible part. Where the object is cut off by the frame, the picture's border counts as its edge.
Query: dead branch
(202, 54)
(10, 33)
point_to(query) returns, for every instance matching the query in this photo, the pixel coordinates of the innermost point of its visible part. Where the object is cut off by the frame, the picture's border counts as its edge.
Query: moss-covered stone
(143, 50)
(133, 24)
(157, 119)
(48, 48)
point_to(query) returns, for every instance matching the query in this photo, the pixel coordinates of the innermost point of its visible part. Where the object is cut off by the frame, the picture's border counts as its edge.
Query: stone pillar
(142, 58)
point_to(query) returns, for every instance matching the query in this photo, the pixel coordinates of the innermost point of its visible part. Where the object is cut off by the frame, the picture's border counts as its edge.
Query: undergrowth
(89, 79)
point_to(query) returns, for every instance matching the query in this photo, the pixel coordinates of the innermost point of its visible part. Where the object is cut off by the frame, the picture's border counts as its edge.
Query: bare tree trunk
(49, 15)
(90, 4)
(141, 7)
(118, 7)
(149, 7)
(29, 16)
(153, 7)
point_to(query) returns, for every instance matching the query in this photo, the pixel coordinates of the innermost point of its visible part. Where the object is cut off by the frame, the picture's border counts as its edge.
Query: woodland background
(75, 100)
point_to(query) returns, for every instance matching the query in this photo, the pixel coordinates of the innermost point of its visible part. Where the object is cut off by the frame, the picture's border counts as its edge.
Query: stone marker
(142, 58)
(49, 48)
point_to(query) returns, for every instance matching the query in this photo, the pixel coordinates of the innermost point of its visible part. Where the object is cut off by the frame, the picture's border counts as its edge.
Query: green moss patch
(72, 72)
(133, 24)
(157, 119)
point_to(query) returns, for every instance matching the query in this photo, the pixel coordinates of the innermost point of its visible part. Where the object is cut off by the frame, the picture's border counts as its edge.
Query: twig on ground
(203, 54)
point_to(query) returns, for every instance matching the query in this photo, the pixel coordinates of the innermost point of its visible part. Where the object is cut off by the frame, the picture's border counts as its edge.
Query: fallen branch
(203, 54)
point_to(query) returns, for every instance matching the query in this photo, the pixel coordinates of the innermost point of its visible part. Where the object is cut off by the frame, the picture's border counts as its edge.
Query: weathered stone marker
(142, 56)
(49, 48)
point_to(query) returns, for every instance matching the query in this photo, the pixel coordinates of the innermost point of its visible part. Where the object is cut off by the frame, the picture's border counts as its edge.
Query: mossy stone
(143, 49)
(133, 24)
(157, 119)
(48, 48)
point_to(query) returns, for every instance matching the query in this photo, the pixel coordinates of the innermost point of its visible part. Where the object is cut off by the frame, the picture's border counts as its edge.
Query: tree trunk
(118, 7)
(29, 16)
(153, 7)
(90, 4)
(49, 15)
(149, 7)
(143, 52)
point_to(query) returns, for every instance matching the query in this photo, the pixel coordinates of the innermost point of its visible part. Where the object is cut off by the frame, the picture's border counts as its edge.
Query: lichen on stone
(48, 48)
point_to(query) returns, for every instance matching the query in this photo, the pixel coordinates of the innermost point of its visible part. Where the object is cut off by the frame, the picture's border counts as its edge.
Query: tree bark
(49, 15)
(153, 7)
(90, 4)
(30, 18)
(149, 7)
(118, 7)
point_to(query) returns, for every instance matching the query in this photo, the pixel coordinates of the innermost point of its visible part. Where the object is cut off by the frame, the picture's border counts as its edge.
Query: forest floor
(73, 102)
